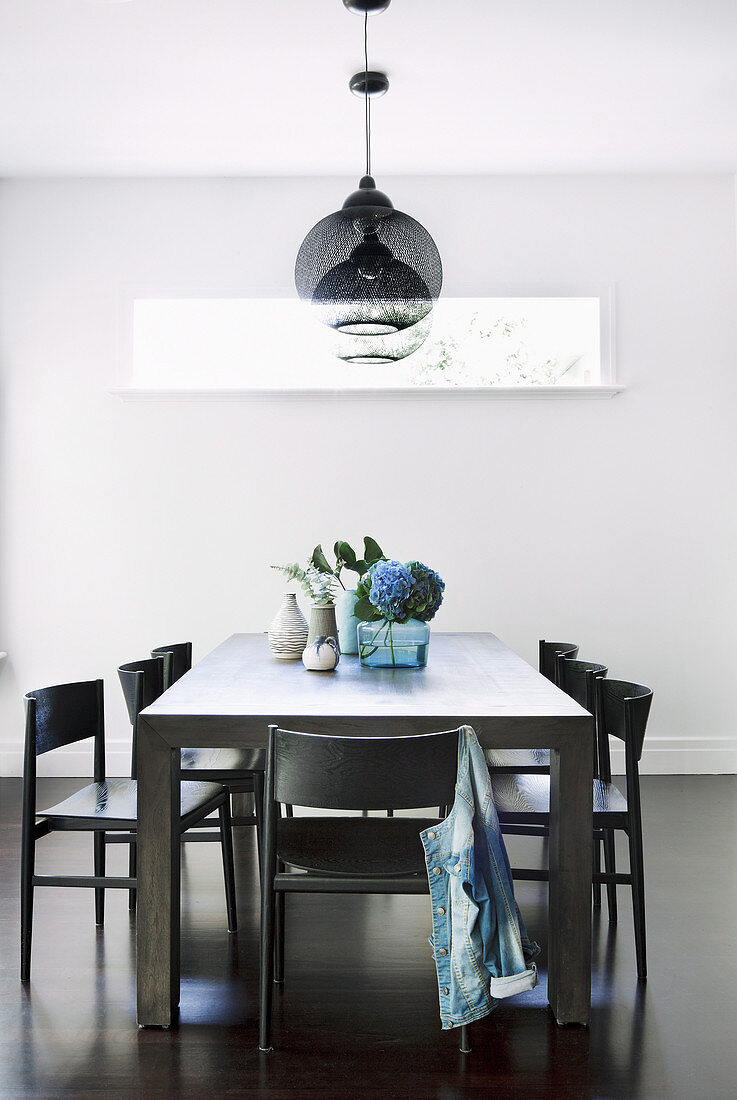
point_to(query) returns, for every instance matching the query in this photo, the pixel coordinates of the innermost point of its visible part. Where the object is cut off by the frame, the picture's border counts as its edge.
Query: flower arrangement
(395, 592)
(388, 592)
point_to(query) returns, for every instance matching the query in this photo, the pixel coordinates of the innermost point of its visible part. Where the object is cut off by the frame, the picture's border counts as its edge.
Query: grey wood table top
(474, 673)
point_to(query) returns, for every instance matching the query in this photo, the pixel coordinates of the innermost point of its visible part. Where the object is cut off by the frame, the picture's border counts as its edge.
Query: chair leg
(28, 852)
(279, 923)
(596, 886)
(99, 847)
(267, 962)
(132, 871)
(638, 899)
(465, 1047)
(226, 845)
(610, 866)
(258, 807)
(390, 813)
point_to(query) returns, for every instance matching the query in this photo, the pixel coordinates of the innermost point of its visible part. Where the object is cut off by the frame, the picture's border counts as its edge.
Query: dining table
(232, 695)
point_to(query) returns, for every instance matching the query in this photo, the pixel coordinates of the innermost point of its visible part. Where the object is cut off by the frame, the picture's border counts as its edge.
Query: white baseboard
(68, 762)
(682, 756)
(661, 756)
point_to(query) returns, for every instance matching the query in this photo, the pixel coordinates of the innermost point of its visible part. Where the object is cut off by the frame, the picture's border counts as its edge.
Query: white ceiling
(240, 87)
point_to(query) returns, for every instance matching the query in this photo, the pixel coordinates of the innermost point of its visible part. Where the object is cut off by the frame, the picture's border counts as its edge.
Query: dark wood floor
(358, 1014)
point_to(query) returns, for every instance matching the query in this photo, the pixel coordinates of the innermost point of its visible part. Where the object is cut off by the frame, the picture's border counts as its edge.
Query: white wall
(611, 523)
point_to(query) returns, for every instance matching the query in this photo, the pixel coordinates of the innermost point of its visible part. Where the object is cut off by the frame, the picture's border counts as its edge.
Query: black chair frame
(63, 715)
(621, 709)
(352, 774)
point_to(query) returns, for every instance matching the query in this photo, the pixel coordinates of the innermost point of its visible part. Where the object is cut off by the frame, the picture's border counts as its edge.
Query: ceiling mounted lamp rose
(371, 272)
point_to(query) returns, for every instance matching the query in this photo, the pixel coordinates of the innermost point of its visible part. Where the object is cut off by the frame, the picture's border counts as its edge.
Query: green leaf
(371, 550)
(346, 554)
(360, 567)
(320, 562)
(366, 611)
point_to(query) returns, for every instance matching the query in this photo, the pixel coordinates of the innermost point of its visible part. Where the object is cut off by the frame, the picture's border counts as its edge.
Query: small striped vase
(288, 632)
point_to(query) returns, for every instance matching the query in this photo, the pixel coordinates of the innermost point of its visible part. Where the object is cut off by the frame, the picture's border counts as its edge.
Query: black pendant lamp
(371, 272)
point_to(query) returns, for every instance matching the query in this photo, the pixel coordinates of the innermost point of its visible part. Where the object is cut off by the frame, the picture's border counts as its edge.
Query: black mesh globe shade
(369, 269)
(383, 347)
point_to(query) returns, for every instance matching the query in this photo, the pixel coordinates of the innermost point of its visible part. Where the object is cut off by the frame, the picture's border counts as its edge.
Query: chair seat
(117, 800)
(517, 758)
(353, 845)
(530, 794)
(224, 760)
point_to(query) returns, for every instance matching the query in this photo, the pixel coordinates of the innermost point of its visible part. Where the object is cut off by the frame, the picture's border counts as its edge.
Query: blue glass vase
(394, 645)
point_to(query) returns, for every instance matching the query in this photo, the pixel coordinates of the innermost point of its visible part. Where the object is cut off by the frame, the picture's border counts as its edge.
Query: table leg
(157, 918)
(569, 905)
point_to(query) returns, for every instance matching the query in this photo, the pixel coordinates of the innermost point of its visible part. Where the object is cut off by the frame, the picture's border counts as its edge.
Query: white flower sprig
(318, 587)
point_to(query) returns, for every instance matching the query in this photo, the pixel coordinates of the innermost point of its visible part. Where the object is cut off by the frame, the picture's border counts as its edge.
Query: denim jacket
(479, 942)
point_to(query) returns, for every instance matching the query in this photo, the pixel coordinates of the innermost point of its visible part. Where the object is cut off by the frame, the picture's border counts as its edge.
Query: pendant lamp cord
(366, 95)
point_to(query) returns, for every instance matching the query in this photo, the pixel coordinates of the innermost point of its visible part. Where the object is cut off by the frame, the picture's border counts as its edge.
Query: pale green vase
(347, 622)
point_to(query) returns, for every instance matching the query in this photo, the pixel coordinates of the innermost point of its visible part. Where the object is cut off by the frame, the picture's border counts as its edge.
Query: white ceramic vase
(322, 655)
(288, 632)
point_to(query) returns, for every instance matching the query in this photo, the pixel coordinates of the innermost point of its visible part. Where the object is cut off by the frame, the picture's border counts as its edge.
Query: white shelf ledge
(414, 393)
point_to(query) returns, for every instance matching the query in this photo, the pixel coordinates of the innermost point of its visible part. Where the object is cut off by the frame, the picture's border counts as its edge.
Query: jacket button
(446, 991)
(436, 870)
(431, 836)
(441, 911)
(442, 951)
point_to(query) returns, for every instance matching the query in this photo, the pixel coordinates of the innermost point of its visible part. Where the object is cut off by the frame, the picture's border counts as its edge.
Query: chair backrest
(142, 683)
(57, 716)
(548, 652)
(65, 714)
(179, 660)
(577, 679)
(623, 712)
(369, 773)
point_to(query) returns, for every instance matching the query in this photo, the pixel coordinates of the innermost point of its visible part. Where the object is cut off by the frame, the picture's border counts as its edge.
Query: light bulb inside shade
(371, 257)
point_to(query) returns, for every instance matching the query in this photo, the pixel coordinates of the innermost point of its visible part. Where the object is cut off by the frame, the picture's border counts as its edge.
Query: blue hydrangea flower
(391, 584)
(427, 593)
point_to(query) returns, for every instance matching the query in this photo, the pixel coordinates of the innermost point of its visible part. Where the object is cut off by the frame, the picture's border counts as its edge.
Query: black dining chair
(241, 770)
(345, 854)
(531, 761)
(63, 715)
(177, 660)
(548, 653)
(622, 710)
(142, 683)
(576, 678)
